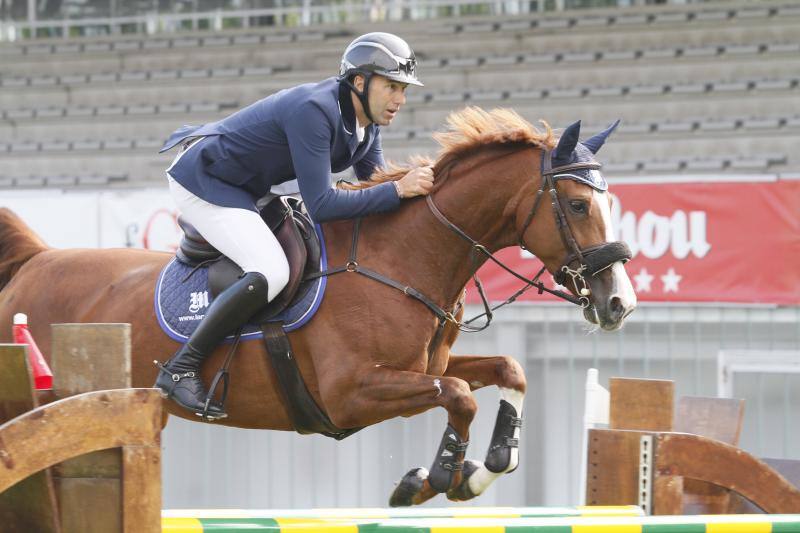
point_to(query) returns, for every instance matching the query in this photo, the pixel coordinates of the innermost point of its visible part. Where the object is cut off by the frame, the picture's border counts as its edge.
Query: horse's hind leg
(382, 393)
(503, 454)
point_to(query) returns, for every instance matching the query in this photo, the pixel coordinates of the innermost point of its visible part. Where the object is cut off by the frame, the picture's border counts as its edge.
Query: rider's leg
(243, 237)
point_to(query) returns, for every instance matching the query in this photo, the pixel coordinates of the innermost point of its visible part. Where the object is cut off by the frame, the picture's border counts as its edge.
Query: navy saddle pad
(180, 302)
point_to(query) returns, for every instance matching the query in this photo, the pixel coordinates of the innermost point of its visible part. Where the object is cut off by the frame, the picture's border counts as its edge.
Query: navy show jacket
(302, 133)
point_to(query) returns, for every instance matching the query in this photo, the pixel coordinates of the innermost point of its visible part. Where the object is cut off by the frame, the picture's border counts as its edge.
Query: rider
(302, 133)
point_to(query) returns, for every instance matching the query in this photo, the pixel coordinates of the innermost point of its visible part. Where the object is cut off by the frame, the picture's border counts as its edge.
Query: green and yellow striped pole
(471, 520)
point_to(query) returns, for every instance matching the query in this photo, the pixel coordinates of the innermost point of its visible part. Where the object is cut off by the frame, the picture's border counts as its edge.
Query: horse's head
(575, 240)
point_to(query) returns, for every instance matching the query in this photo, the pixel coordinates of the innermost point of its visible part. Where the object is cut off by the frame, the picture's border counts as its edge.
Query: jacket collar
(347, 109)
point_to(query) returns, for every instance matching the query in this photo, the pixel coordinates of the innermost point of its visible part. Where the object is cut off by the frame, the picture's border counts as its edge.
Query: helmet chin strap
(362, 95)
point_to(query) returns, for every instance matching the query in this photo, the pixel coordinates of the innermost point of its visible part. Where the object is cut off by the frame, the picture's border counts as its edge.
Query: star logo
(671, 280)
(643, 280)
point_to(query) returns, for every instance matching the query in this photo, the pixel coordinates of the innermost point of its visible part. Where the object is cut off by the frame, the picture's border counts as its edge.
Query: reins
(611, 252)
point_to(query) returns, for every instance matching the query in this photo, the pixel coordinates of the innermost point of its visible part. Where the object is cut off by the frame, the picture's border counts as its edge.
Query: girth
(304, 413)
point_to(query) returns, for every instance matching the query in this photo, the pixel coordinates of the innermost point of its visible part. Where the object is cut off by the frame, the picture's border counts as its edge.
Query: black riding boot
(179, 378)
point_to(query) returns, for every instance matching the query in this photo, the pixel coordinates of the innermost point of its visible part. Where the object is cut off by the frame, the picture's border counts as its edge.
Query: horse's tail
(18, 243)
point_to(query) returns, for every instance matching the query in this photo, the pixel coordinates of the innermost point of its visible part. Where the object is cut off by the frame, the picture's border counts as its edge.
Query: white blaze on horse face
(624, 287)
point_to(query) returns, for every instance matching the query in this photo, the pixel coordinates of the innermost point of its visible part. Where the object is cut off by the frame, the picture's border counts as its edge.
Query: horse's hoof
(462, 492)
(410, 486)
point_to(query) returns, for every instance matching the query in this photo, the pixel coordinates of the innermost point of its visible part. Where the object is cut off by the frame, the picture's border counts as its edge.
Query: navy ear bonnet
(588, 176)
(569, 152)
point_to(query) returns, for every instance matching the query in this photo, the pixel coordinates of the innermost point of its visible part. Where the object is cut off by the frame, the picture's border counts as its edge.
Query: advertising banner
(710, 241)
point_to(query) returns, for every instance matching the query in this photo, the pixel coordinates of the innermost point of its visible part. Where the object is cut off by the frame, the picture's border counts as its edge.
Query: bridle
(591, 260)
(577, 264)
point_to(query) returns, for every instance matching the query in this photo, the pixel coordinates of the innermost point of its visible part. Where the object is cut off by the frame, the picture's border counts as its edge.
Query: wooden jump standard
(88, 462)
(684, 464)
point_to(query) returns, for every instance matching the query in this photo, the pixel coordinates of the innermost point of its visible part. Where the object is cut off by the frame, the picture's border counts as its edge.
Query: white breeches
(240, 234)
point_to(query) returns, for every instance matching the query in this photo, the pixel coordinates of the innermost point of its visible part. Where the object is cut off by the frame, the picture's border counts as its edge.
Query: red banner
(708, 241)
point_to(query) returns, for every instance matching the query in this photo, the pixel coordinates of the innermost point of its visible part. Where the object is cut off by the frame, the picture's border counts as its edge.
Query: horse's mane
(467, 130)
(18, 243)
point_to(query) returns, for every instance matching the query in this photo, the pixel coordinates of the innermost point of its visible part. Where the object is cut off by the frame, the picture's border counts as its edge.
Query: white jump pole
(595, 414)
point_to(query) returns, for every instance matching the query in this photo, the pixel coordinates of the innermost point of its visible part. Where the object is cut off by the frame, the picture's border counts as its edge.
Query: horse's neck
(475, 197)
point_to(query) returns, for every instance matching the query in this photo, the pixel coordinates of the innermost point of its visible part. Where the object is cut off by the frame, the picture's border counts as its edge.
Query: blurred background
(704, 169)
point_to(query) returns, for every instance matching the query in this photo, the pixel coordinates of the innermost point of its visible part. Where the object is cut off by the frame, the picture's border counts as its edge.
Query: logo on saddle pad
(197, 301)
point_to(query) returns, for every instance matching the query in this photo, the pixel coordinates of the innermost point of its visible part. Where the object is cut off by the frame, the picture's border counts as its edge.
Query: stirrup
(204, 413)
(222, 375)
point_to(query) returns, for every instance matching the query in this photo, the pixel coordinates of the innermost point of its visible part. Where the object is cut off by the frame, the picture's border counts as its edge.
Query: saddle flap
(293, 246)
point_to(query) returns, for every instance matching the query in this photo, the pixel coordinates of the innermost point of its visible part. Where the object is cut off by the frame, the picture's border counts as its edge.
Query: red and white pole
(42, 375)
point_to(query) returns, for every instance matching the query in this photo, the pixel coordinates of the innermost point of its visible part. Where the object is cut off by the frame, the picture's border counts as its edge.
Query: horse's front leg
(503, 454)
(382, 393)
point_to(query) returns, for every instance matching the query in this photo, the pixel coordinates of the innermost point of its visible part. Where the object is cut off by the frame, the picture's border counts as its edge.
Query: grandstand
(701, 88)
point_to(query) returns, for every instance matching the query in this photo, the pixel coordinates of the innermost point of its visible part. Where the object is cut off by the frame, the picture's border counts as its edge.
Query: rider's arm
(372, 160)
(309, 136)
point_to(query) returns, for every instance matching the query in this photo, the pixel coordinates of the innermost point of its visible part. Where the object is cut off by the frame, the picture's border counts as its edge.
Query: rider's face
(386, 97)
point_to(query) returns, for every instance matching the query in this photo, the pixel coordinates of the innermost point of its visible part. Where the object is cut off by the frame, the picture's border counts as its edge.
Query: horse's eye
(578, 206)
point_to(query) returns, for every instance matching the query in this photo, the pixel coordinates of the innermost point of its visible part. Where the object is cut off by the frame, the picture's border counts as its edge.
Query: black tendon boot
(179, 378)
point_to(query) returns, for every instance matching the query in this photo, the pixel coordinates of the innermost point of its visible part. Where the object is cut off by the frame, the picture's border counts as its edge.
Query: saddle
(291, 225)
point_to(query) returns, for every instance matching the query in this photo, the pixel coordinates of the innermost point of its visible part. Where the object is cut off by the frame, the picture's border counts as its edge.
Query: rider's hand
(417, 182)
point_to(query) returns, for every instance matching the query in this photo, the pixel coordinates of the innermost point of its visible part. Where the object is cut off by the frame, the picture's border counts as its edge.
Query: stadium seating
(701, 88)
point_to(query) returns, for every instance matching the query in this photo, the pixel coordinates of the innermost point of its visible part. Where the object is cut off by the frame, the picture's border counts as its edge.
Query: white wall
(105, 219)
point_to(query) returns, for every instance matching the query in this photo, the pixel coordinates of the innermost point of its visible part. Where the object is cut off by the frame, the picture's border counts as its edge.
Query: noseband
(577, 263)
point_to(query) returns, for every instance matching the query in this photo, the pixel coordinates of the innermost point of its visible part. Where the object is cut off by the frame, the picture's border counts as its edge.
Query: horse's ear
(562, 155)
(595, 142)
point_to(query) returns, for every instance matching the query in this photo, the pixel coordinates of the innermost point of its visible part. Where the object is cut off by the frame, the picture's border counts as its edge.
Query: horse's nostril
(616, 306)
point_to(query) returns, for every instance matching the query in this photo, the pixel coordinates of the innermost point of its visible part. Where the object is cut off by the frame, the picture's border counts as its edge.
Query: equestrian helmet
(380, 53)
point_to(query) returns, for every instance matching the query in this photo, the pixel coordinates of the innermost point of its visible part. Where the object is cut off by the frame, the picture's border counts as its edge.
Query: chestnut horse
(364, 356)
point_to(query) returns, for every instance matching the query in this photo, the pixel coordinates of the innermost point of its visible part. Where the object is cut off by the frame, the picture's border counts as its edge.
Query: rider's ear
(594, 143)
(562, 155)
(358, 82)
